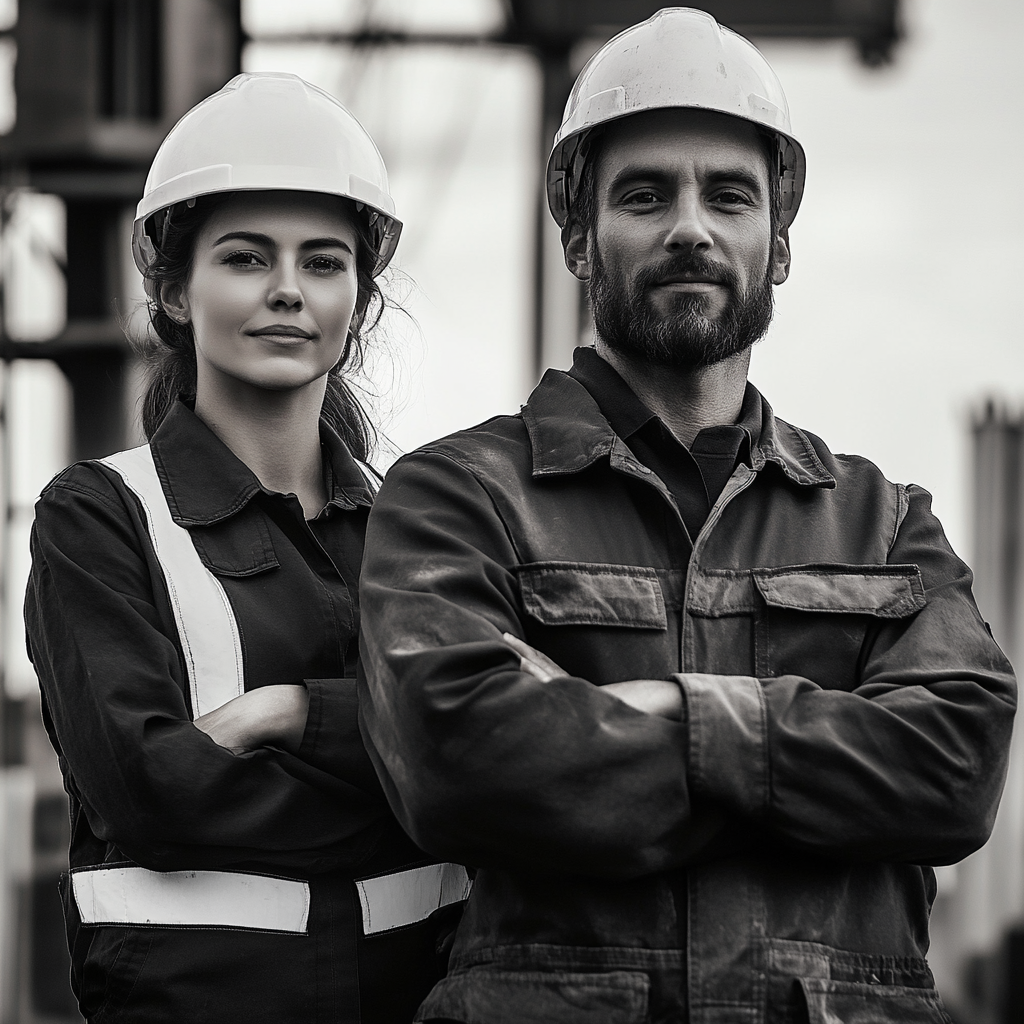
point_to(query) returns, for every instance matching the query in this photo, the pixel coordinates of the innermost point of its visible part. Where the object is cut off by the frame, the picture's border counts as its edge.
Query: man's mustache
(690, 265)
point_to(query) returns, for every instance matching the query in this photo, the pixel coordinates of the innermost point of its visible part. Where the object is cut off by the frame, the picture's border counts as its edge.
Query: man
(699, 699)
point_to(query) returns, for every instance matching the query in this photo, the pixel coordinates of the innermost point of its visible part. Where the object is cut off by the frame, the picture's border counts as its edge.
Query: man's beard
(686, 337)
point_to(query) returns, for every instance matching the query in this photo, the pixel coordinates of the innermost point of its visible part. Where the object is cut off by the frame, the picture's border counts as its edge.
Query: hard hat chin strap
(162, 220)
(576, 161)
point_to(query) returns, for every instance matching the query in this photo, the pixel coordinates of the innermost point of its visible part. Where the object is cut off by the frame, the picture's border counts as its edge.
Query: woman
(192, 607)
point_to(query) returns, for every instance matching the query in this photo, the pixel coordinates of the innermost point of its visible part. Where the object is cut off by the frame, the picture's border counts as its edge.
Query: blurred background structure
(897, 337)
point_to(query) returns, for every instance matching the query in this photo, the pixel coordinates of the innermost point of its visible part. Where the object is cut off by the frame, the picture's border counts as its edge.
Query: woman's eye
(325, 265)
(244, 259)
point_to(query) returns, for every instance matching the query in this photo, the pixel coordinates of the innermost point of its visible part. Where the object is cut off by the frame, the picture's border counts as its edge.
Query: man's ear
(576, 246)
(175, 302)
(781, 257)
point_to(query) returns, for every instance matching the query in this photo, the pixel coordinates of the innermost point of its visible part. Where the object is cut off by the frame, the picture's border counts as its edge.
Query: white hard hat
(679, 57)
(268, 130)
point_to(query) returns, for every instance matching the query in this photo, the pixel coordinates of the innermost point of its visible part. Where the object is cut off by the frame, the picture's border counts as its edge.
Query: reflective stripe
(393, 901)
(206, 899)
(206, 624)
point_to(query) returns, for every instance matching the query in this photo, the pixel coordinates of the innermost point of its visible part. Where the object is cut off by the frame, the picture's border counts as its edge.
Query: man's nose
(285, 290)
(688, 229)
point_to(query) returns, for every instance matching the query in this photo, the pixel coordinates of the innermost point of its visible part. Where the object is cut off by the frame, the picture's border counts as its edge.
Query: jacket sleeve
(150, 782)
(908, 766)
(481, 762)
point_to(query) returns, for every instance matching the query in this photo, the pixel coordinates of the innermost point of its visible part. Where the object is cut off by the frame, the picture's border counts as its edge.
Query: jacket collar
(205, 482)
(790, 449)
(568, 433)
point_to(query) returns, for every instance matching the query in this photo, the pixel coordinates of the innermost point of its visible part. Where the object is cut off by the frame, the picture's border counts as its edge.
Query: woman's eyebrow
(327, 242)
(256, 238)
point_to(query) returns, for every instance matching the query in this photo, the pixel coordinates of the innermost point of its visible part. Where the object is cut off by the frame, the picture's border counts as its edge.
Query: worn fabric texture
(768, 858)
(147, 787)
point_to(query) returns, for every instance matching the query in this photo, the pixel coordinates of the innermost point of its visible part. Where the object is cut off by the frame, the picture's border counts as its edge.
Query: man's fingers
(534, 670)
(524, 650)
(534, 661)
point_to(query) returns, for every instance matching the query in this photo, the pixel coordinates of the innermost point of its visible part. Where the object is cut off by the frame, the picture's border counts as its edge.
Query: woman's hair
(171, 349)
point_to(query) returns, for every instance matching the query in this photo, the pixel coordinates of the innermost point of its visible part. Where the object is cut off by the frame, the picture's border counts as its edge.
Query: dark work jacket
(847, 723)
(148, 788)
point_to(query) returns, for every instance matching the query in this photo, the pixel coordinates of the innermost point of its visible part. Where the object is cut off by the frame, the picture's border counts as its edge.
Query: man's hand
(267, 716)
(533, 661)
(652, 696)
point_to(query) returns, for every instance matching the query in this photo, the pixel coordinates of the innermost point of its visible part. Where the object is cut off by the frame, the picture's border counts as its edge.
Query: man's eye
(730, 197)
(325, 265)
(244, 259)
(642, 197)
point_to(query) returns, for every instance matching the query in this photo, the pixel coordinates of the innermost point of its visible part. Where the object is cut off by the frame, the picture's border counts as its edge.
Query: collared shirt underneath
(695, 476)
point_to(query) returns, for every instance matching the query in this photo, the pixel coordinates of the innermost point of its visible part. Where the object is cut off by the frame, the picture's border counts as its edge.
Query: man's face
(680, 257)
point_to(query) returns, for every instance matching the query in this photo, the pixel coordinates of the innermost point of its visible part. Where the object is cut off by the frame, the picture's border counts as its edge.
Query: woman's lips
(282, 332)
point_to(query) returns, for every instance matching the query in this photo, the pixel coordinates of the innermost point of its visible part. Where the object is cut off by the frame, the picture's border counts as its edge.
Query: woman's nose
(285, 292)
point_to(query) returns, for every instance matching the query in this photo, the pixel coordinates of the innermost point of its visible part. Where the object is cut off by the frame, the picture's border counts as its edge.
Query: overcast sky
(902, 309)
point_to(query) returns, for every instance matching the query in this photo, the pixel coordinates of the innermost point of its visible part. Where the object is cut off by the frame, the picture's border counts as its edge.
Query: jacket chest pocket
(600, 621)
(813, 620)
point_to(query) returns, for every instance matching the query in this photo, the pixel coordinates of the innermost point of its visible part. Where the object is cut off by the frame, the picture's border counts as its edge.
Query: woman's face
(272, 291)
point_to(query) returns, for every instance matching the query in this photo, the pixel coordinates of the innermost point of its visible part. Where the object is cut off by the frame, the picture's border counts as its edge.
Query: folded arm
(482, 761)
(907, 766)
(152, 782)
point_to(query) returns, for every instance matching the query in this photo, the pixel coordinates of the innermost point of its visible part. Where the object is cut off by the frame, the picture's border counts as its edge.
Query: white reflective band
(393, 901)
(202, 612)
(204, 899)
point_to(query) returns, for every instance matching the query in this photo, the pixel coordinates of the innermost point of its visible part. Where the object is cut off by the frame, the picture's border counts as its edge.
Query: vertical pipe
(555, 307)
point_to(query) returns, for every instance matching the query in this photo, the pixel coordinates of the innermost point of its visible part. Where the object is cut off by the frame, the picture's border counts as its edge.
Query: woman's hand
(652, 696)
(269, 716)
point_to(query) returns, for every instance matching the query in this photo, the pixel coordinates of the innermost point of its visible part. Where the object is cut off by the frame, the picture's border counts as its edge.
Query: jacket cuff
(314, 719)
(332, 741)
(728, 756)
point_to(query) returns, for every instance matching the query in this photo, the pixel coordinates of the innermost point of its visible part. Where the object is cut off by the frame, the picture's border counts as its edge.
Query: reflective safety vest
(129, 895)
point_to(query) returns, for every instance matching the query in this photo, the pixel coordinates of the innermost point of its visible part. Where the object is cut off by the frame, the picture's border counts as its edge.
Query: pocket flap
(240, 546)
(884, 591)
(593, 594)
(485, 995)
(838, 1002)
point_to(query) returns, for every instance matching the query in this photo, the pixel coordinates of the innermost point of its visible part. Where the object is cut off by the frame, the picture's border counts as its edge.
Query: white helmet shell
(679, 57)
(268, 130)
